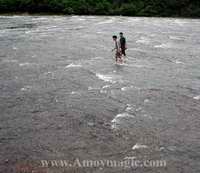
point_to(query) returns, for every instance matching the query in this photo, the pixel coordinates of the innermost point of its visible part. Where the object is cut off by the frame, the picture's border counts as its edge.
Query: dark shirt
(123, 42)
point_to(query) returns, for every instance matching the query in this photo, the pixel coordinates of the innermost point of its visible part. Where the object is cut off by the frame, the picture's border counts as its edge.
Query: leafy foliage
(187, 8)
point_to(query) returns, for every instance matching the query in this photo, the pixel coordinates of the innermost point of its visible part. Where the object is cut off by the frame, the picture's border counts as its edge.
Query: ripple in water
(106, 78)
(127, 88)
(26, 64)
(131, 109)
(197, 97)
(178, 62)
(73, 65)
(116, 121)
(26, 88)
(143, 40)
(92, 88)
(176, 38)
(75, 93)
(106, 86)
(139, 146)
(164, 45)
(106, 22)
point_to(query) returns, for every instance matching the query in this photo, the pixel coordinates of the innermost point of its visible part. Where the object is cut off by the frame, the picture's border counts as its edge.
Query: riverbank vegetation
(170, 8)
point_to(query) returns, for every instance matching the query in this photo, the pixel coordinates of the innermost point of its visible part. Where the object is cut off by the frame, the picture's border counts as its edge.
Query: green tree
(187, 8)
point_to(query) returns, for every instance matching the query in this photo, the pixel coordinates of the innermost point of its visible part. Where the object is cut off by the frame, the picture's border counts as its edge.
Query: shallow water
(61, 90)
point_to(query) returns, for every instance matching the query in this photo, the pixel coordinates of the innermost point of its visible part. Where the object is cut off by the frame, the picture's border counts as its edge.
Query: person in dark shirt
(123, 44)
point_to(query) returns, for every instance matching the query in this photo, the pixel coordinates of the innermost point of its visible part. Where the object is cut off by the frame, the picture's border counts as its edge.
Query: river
(63, 97)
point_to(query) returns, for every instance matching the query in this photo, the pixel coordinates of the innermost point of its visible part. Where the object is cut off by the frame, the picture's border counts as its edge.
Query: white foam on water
(106, 22)
(99, 32)
(28, 32)
(114, 126)
(180, 22)
(92, 88)
(106, 78)
(40, 18)
(130, 158)
(143, 40)
(164, 45)
(132, 65)
(13, 16)
(51, 29)
(175, 38)
(73, 65)
(121, 64)
(106, 86)
(23, 89)
(56, 99)
(138, 109)
(75, 16)
(25, 64)
(197, 97)
(49, 72)
(103, 91)
(130, 108)
(14, 48)
(178, 62)
(146, 101)
(81, 19)
(118, 117)
(172, 148)
(139, 146)
(74, 92)
(127, 88)
(98, 57)
(26, 88)
(161, 149)
(122, 115)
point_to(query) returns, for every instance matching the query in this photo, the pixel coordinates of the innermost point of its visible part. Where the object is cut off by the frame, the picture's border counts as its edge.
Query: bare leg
(116, 58)
(120, 58)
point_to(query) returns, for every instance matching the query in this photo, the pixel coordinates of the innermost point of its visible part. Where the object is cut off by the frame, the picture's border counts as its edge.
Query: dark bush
(184, 8)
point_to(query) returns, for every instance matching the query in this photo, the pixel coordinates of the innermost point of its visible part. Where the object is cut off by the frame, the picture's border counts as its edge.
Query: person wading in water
(123, 46)
(118, 56)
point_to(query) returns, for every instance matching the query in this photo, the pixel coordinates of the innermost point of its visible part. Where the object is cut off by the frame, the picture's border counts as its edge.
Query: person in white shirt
(118, 55)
